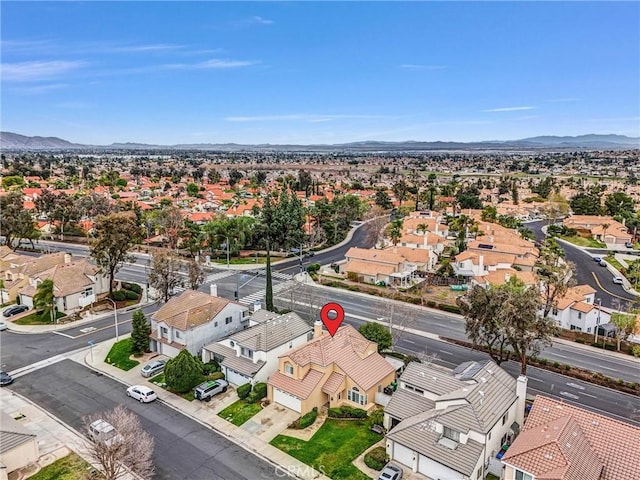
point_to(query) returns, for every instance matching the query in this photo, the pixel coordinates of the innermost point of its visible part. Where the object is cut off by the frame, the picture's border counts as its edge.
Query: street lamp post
(597, 321)
(115, 315)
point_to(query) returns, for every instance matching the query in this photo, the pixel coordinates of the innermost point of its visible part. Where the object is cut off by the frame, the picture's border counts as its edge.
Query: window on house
(579, 315)
(232, 343)
(246, 352)
(380, 388)
(451, 434)
(288, 369)
(165, 331)
(309, 336)
(355, 396)
(555, 312)
(339, 395)
(589, 330)
(504, 418)
(177, 334)
(215, 324)
(228, 320)
(290, 344)
(520, 475)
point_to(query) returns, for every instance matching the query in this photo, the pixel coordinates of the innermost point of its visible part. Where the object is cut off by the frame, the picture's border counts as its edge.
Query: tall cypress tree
(140, 331)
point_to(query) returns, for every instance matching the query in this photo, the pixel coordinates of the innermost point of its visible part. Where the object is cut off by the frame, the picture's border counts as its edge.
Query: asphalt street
(589, 272)
(184, 449)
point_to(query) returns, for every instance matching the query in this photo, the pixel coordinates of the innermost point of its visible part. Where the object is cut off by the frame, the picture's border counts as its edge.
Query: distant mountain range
(14, 141)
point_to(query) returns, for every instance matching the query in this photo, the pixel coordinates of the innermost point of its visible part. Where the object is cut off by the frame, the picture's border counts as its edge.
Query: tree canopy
(377, 333)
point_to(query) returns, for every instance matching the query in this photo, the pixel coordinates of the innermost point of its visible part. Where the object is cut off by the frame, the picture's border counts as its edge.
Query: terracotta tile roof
(418, 255)
(298, 388)
(582, 307)
(190, 309)
(366, 268)
(332, 385)
(154, 335)
(68, 278)
(353, 354)
(557, 450)
(614, 443)
(374, 255)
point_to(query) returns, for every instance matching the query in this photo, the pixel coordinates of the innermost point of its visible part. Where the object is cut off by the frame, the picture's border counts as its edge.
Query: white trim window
(354, 395)
(520, 475)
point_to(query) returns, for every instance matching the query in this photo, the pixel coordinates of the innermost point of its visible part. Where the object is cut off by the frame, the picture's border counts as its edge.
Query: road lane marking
(64, 335)
(444, 351)
(627, 299)
(589, 395)
(570, 395)
(575, 385)
(37, 366)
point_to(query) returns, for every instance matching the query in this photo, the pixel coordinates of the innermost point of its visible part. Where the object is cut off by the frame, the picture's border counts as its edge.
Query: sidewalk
(204, 413)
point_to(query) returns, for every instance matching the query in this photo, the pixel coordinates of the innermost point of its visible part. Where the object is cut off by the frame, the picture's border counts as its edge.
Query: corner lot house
(251, 355)
(563, 442)
(18, 446)
(451, 424)
(345, 369)
(194, 319)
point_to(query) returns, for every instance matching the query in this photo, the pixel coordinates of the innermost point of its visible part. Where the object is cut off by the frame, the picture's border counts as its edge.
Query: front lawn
(239, 412)
(71, 467)
(35, 318)
(333, 447)
(611, 259)
(583, 242)
(119, 355)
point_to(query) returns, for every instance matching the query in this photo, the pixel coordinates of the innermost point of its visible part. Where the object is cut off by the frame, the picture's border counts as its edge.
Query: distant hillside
(13, 141)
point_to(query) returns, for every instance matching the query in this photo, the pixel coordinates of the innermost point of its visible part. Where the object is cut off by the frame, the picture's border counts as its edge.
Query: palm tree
(44, 299)
(395, 232)
(605, 227)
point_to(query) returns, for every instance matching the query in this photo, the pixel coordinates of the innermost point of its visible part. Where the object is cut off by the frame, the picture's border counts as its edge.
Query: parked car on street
(597, 259)
(390, 472)
(208, 389)
(3, 326)
(618, 280)
(628, 245)
(602, 263)
(102, 431)
(153, 368)
(5, 379)
(14, 310)
(141, 393)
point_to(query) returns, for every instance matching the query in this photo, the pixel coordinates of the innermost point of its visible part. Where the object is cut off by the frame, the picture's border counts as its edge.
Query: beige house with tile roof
(345, 369)
(578, 310)
(193, 320)
(561, 441)
(451, 423)
(593, 226)
(76, 284)
(251, 355)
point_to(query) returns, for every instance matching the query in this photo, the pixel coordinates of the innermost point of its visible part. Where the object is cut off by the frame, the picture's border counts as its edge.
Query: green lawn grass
(614, 263)
(119, 354)
(239, 412)
(34, 318)
(583, 242)
(71, 467)
(240, 261)
(333, 447)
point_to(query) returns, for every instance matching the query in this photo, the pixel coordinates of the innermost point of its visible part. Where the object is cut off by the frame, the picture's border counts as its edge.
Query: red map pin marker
(332, 324)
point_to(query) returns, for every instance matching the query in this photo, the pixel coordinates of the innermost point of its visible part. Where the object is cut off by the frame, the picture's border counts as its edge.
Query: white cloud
(261, 21)
(214, 63)
(158, 47)
(509, 109)
(36, 71)
(414, 66)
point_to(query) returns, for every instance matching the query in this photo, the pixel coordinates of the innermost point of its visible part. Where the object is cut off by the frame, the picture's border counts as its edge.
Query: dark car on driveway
(15, 310)
(5, 379)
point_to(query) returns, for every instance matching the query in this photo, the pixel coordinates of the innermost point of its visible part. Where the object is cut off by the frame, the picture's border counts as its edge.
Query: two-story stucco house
(251, 355)
(450, 424)
(76, 284)
(578, 310)
(193, 320)
(345, 369)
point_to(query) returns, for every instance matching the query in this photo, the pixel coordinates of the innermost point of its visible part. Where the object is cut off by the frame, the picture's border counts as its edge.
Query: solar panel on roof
(485, 246)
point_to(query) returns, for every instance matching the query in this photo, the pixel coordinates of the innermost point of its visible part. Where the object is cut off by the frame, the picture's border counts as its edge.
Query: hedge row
(252, 394)
(305, 420)
(376, 458)
(347, 412)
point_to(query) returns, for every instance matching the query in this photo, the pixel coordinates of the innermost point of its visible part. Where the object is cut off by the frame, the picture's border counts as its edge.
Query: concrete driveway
(270, 421)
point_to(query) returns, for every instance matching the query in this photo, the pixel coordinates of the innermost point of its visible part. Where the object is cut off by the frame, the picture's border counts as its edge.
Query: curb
(224, 434)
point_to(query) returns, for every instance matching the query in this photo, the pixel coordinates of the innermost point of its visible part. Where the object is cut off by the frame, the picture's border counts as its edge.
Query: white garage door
(403, 455)
(289, 401)
(236, 378)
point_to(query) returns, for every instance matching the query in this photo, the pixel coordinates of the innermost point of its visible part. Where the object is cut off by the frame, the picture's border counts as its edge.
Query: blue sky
(303, 72)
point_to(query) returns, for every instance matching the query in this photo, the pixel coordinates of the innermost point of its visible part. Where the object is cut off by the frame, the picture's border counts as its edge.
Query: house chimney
(521, 393)
(507, 277)
(213, 290)
(67, 258)
(317, 329)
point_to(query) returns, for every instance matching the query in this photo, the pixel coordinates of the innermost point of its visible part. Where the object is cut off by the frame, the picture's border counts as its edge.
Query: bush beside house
(377, 458)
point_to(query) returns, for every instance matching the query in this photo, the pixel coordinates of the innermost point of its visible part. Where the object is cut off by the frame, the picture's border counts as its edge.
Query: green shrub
(580, 340)
(308, 418)
(353, 288)
(215, 376)
(130, 295)
(377, 417)
(210, 367)
(449, 308)
(314, 267)
(431, 303)
(543, 361)
(347, 412)
(134, 287)
(118, 295)
(258, 392)
(567, 367)
(243, 391)
(556, 364)
(636, 351)
(376, 458)
(182, 373)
